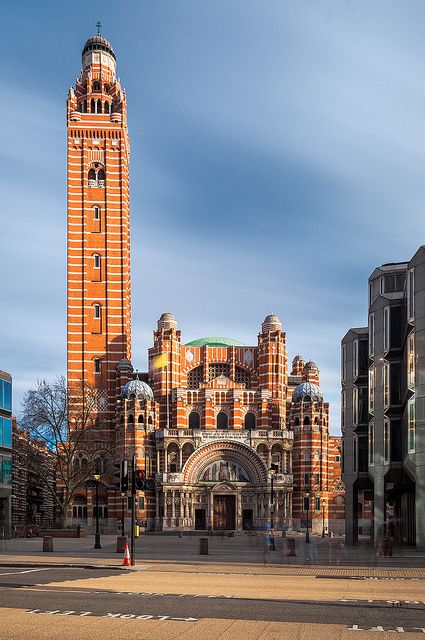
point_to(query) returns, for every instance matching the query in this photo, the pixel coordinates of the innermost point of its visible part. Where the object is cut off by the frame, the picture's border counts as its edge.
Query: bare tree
(63, 418)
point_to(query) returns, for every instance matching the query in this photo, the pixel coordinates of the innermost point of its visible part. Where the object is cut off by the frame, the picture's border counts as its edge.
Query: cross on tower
(99, 26)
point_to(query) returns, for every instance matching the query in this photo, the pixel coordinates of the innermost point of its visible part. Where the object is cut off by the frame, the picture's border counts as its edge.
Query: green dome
(215, 342)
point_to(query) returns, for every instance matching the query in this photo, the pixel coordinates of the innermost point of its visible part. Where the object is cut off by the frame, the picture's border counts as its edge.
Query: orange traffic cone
(126, 562)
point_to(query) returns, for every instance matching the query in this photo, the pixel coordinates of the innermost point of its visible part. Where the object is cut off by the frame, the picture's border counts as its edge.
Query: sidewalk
(241, 554)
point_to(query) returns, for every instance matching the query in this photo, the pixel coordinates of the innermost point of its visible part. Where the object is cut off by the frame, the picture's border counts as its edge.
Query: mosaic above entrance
(224, 470)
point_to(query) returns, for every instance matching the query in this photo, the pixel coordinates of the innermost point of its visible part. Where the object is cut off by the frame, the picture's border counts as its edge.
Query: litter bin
(288, 547)
(203, 546)
(387, 547)
(121, 542)
(47, 543)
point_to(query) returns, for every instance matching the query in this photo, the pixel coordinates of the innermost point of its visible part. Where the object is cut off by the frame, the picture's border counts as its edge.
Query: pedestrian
(78, 530)
(267, 548)
(313, 550)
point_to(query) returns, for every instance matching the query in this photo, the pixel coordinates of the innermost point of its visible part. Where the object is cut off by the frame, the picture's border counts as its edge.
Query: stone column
(180, 458)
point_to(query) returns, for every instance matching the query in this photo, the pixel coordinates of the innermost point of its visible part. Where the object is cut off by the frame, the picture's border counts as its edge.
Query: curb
(62, 565)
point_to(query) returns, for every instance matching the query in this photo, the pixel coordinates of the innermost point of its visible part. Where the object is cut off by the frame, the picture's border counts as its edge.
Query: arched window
(216, 369)
(131, 419)
(222, 420)
(99, 106)
(316, 420)
(194, 378)
(277, 457)
(101, 178)
(97, 311)
(96, 261)
(92, 178)
(173, 453)
(96, 365)
(306, 420)
(242, 376)
(92, 106)
(187, 451)
(106, 87)
(79, 508)
(84, 464)
(250, 420)
(150, 421)
(194, 420)
(263, 452)
(141, 420)
(96, 86)
(106, 107)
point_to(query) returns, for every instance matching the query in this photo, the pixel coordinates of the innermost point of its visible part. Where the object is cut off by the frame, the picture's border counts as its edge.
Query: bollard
(203, 546)
(121, 542)
(47, 543)
(288, 547)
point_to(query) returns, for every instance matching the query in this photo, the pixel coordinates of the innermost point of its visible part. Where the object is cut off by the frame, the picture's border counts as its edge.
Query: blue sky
(277, 157)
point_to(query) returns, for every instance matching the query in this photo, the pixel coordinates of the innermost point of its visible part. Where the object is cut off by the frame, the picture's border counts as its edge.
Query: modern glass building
(383, 407)
(5, 454)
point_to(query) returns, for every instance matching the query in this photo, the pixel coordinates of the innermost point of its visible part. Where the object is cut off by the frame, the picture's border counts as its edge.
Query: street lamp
(96, 478)
(272, 471)
(307, 496)
(323, 517)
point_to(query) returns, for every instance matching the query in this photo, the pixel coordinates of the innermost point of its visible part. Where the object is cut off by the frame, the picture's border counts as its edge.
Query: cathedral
(228, 437)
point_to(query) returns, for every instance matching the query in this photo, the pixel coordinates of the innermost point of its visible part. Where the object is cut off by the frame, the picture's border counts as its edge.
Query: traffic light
(122, 475)
(140, 479)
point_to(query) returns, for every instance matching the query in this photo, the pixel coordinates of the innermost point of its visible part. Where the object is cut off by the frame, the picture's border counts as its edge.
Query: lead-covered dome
(136, 390)
(271, 323)
(99, 43)
(307, 391)
(167, 321)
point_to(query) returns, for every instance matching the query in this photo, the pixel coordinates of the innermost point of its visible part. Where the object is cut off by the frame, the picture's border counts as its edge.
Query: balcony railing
(242, 435)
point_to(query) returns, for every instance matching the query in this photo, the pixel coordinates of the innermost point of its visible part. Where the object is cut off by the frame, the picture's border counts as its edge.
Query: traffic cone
(126, 562)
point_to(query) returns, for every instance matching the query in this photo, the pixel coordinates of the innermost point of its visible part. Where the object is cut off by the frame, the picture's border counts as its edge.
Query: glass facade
(5, 395)
(6, 432)
(5, 470)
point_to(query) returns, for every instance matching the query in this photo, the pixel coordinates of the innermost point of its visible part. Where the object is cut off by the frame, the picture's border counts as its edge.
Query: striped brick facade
(209, 426)
(99, 322)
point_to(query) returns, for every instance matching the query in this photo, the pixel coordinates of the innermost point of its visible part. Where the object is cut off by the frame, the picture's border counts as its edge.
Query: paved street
(46, 597)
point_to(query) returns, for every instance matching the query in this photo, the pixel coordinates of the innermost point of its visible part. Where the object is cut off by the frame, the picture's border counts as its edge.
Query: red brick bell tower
(98, 226)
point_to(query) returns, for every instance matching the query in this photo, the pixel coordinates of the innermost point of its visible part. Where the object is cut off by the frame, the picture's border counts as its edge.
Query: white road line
(16, 573)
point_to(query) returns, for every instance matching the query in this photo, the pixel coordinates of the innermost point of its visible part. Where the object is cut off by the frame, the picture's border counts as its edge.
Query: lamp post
(96, 478)
(307, 534)
(323, 517)
(123, 495)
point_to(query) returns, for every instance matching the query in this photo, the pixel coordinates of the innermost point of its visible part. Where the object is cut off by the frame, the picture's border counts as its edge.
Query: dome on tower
(271, 323)
(136, 390)
(312, 366)
(124, 365)
(167, 321)
(99, 43)
(307, 391)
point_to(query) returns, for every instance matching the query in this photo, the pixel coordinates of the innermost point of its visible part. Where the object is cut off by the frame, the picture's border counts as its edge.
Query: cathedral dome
(98, 43)
(271, 323)
(136, 390)
(214, 341)
(307, 391)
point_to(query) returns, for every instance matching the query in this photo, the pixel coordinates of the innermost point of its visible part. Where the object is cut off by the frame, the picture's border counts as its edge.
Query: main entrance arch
(227, 472)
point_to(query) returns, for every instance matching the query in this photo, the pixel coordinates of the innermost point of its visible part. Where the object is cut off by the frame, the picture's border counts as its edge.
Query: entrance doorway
(247, 520)
(200, 520)
(225, 512)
